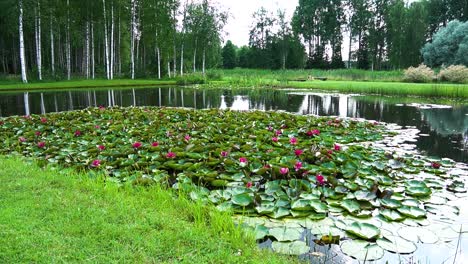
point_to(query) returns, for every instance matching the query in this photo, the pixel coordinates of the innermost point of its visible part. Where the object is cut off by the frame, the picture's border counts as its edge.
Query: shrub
(421, 74)
(188, 79)
(454, 74)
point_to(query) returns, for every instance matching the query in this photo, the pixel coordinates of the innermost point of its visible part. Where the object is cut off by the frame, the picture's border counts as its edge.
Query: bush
(454, 74)
(421, 74)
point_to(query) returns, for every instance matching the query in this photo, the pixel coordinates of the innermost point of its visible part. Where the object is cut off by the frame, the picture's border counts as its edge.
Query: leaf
(411, 211)
(416, 234)
(363, 230)
(350, 205)
(261, 232)
(362, 250)
(396, 244)
(243, 199)
(392, 215)
(364, 196)
(318, 206)
(290, 248)
(301, 205)
(390, 203)
(286, 234)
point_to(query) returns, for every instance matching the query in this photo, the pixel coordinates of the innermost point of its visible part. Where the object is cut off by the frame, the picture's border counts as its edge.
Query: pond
(443, 127)
(443, 124)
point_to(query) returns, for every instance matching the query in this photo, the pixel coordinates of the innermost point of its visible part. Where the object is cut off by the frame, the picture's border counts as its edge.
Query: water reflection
(447, 128)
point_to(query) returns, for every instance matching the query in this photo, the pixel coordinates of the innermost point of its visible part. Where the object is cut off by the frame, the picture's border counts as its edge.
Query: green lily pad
(396, 244)
(392, 215)
(364, 196)
(285, 233)
(411, 211)
(362, 250)
(351, 206)
(390, 203)
(363, 230)
(243, 199)
(290, 248)
(416, 234)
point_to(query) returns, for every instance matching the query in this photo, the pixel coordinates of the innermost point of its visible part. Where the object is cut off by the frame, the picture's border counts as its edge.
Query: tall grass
(291, 75)
(385, 88)
(61, 217)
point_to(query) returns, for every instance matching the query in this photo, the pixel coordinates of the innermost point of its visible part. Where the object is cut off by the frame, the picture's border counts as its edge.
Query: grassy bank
(49, 217)
(337, 75)
(9, 86)
(386, 88)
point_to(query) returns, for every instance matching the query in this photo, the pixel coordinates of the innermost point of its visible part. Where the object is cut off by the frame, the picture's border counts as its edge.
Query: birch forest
(88, 39)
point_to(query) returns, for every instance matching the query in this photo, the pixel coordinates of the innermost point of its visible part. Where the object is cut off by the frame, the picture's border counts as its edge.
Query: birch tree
(21, 43)
(37, 31)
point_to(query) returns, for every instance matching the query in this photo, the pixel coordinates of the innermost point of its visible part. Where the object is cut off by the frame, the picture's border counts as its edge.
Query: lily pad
(243, 199)
(396, 244)
(285, 233)
(363, 230)
(362, 250)
(350, 205)
(290, 248)
(411, 211)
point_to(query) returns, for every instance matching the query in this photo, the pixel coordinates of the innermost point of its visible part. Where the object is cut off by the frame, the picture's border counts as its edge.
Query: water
(443, 123)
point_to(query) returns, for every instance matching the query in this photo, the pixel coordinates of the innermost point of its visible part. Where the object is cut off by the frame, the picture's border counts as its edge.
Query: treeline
(383, 34)
(109, 38)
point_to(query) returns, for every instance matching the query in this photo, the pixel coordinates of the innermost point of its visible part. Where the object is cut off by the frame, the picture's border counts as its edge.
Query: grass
(387, 88)
(14, 86)
(49, 216)
(345, 80)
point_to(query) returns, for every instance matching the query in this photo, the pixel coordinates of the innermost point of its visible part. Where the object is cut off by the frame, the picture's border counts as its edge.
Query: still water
(443, 123)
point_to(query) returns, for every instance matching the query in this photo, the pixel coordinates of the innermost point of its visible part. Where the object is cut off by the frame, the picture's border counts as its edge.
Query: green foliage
(420, 74)
(229, 56)
(454, 74)
(449, 46)
(76, 216)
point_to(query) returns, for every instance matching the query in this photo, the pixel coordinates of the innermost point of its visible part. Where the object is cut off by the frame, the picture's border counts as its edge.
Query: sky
(240, 21)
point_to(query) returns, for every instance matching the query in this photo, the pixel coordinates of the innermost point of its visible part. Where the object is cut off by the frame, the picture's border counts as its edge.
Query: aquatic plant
(314, 175)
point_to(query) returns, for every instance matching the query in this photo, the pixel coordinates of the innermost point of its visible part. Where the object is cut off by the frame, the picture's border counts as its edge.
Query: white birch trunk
(37, 24)
(52, 51)
(21, 40)
(111, 67)
(92, 50)
(68, 42)
(106, 45)
(204, 61)
(132, 41)
(169, 68)
(87, 50)
(182, 60)
(159, 62)
(43, 110)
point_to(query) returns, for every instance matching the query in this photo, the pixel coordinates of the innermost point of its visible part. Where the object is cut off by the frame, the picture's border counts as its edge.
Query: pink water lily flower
(284, 171)
(37, 133)
(224, 154)
(155, 144)
(298, 166)
(243, 160)
(293, 141)
(278, 132)
(96, 163)
(337, 147)
(187, 137)
(298, 152)
(77, 133)
(43, 120)
(101, 147)
(249, 185)
(274, 139)
(320, 179)
(170, 155)
(22, 139)
(137, 145)
(41, 144)
(436, 165)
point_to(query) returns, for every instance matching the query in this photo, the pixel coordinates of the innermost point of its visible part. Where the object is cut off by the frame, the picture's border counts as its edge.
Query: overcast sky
(241, 11)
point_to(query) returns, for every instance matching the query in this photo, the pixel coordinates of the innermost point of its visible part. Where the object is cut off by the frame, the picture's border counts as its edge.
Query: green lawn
(13, 86)
(48, 217)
